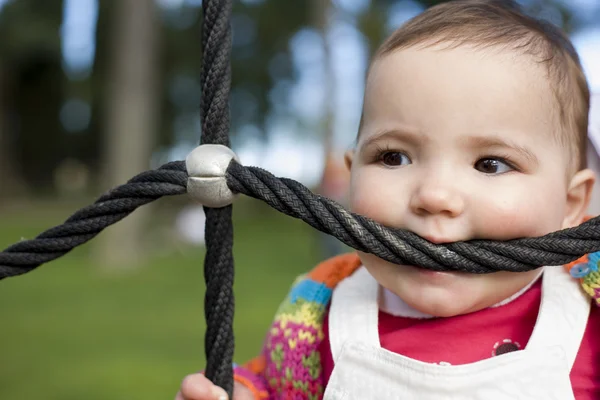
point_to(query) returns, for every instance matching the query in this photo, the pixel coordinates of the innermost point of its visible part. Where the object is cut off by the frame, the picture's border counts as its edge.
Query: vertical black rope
(218, 263)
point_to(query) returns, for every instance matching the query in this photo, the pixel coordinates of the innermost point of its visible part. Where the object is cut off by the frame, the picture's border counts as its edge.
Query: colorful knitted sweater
(289, 367)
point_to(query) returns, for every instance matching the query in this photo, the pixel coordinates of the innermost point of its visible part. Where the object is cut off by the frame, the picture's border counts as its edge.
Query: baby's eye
(394, 158)
(492, 166)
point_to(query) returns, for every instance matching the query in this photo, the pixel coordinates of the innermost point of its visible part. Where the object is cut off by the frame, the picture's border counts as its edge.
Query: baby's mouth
(437, 239)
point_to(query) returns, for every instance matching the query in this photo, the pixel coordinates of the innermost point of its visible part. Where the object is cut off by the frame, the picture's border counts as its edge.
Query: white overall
(363, 370)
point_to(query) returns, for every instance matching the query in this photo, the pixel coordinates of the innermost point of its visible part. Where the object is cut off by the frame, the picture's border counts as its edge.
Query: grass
(71, 331)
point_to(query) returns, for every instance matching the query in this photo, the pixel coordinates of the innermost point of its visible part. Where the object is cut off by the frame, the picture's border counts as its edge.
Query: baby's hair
(503, 25)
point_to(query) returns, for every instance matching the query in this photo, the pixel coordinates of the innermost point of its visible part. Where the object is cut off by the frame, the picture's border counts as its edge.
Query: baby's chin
(446, 294)
(440, 294)
(451, 294)
(441, 302)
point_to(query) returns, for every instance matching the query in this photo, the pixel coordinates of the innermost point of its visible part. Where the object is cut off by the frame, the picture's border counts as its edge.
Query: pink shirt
(483, 334)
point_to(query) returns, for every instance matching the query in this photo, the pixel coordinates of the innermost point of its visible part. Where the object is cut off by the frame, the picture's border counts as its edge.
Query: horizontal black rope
(403, 247)
(26, 255)
(292, 198)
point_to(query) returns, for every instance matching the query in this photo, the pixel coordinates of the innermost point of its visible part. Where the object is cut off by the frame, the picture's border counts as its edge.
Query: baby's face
(457, 145)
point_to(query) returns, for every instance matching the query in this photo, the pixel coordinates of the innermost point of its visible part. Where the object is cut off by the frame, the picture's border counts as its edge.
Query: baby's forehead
(434, 57)
(495, 27)
(460, 90)
(437, 75)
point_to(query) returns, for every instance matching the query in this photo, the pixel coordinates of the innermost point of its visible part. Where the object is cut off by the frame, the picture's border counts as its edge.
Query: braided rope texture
(85, 224)
(294, 199)
(215, 81)
(404, 247)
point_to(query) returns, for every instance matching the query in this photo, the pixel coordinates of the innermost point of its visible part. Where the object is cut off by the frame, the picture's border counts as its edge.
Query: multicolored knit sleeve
(289, 367)
(587, 270)
(291, 354)
(251, 376)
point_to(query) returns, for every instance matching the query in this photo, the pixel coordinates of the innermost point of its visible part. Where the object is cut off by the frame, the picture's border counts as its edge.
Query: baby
(474, 126)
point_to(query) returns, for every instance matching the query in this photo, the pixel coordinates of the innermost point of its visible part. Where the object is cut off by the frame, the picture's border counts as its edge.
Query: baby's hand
(198, 387)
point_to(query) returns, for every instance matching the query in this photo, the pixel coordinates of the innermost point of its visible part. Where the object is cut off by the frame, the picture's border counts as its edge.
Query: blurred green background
(69, 331)
(93, 92)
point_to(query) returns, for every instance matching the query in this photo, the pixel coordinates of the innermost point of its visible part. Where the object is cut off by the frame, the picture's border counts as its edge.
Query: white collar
(391, 304)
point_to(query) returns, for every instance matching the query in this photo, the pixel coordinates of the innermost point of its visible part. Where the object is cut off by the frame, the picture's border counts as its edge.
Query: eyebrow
(403, 135)
(483, 142)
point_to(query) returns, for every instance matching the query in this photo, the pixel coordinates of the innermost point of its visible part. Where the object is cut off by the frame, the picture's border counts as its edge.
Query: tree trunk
(131, 121)
(321, 10)
(332, 180)
(11, 184)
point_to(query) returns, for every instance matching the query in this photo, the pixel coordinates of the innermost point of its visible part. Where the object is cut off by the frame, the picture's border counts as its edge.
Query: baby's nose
(437, 197)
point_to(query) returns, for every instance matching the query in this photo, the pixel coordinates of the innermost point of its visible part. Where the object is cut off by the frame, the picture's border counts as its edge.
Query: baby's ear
(348, 158)
(578, 197)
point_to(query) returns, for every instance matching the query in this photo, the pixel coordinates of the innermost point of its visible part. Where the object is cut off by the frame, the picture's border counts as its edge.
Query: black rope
(24, 256)
(292, 198)
(404, 247)
(218, 263)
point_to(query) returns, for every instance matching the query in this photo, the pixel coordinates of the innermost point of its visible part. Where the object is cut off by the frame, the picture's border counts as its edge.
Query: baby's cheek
(370, 206)
(382, 207)
(515, 218)
(368, 195)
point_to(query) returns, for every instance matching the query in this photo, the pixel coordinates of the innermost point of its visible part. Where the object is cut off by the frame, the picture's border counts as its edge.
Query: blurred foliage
(34, 85)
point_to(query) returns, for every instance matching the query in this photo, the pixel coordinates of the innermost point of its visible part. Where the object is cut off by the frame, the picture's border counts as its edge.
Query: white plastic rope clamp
(206, 166)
